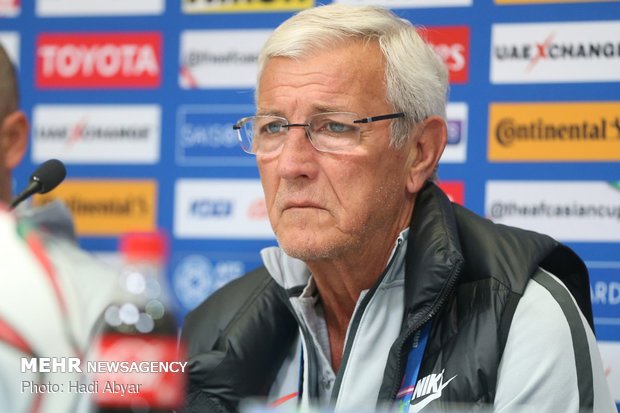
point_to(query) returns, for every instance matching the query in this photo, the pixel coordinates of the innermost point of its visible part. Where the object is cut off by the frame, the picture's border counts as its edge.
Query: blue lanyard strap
(414, 360)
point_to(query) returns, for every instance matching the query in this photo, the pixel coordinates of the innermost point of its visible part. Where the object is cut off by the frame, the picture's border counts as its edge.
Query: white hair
(415, 76)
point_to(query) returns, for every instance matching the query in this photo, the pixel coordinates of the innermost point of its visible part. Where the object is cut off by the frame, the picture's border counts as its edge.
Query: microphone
(45, 178)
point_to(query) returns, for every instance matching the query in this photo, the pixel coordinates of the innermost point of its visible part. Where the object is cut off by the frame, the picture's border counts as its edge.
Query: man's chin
(309, 250)
(307, 254)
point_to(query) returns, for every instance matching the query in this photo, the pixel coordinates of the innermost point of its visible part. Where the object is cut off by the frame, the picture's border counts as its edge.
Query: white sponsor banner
(98, 7)
(610, 353)
(407, 3)
(578, 211)
(220, 58)
(220, 208)
(456, 149)
(10, 43)
(555, 52)
(9, 8)
(96, 134)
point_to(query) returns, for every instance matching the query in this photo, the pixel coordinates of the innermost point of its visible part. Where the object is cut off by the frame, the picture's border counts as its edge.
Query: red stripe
(283, 399)
(36, 404)
(10, 336)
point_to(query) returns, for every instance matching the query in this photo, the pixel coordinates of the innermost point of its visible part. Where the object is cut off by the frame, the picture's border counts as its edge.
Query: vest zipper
(447, 291)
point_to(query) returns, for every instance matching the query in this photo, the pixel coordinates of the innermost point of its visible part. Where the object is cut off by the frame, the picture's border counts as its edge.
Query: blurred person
(52, 293)
(381, 290)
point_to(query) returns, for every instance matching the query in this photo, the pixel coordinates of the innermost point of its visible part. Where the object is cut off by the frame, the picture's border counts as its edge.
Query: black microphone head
(49, 174)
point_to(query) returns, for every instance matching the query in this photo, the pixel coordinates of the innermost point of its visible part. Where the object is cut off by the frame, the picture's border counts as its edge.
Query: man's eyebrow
(315, 111)
(328, 109)
(266, 112)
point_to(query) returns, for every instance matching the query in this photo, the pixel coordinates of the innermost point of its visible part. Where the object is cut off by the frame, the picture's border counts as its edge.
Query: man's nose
(297, 157)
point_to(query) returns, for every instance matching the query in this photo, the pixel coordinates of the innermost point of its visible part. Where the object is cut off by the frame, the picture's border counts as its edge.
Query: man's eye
(336, 127)
(273, 127)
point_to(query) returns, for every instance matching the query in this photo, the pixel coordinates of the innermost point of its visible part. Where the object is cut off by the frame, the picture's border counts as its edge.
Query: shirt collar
(291, 272)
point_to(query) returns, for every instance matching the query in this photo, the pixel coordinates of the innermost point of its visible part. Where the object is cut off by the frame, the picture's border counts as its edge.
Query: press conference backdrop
(138, 99)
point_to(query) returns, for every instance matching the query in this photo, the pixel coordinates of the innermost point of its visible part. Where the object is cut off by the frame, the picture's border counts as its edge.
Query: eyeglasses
(327, 132)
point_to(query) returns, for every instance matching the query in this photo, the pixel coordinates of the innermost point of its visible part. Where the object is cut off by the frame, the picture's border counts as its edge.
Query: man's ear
(13, 139)
(429, 145)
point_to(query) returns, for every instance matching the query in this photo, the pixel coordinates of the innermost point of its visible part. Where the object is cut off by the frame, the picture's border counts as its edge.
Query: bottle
(139, 360)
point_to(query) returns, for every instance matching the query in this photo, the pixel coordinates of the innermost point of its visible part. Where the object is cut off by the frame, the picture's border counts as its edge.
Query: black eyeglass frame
(370, 119)
(238, 125)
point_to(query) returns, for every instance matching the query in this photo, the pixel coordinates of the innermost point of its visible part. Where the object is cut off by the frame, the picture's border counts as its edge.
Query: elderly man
(381, 290)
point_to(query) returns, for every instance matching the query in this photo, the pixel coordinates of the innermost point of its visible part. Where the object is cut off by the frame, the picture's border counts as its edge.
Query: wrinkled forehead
(349, 68)
(344, 79)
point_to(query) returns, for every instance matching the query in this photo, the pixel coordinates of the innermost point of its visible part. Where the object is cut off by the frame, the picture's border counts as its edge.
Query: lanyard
(405, 393)
(414, 360)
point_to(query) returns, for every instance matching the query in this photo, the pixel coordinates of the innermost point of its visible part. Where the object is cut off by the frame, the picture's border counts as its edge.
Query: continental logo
(228, 6)
(554, 131)
(108, 208)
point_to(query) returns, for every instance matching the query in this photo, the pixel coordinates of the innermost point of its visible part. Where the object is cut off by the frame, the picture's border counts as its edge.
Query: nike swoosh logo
(416, 408)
